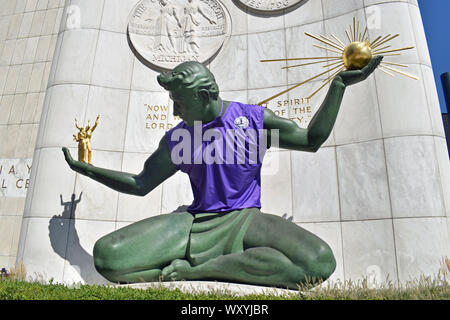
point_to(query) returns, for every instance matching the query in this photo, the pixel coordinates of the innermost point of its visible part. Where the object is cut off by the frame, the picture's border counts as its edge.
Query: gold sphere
(357, 55)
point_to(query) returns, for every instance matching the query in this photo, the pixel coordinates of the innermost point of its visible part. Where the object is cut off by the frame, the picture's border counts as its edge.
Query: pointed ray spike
(322, 86)
(292, 59)
(333, 42)
(325, 48)
(379, 39)
(401, 72)
(323, 41)
(306, 64)
(354, 28)
(375, 41)
(333, 64)
(394, 64)
(365, 31)
(388, 73)
(292, 88)
(334, 73)
(395, 50)
(358, 34)
(384, 41)
(348, 36)
(338, 40)
(381, 49)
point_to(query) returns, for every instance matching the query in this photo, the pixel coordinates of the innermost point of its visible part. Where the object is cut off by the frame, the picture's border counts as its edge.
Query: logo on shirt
(241, 122)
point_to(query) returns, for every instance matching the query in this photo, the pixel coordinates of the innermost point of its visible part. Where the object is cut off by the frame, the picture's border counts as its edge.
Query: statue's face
(187, 105)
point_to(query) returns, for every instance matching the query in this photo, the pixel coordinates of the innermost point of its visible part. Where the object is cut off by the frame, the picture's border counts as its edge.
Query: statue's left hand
(77, 166)
(354, 76)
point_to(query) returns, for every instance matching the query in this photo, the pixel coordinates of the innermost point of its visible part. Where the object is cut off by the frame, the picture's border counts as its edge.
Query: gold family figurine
(84, 141)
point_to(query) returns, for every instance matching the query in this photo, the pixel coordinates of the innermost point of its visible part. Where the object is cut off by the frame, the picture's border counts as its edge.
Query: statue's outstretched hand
(354, 76)
(77, 166)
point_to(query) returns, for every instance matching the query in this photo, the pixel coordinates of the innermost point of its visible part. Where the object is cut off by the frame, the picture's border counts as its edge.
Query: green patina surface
(271, 251)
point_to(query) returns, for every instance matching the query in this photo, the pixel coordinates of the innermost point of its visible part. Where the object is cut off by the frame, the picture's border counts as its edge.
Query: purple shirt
(223, 158)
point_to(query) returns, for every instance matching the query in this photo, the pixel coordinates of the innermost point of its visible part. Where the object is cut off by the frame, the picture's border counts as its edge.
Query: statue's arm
(319, 129)
(76, 124)
(292, 137)
(157, 168)
(96, 124)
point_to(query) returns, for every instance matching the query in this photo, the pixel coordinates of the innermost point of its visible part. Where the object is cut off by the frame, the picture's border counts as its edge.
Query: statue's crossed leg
(276, 253)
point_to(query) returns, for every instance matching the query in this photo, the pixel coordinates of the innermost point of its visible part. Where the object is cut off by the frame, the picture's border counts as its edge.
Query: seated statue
(223, 235)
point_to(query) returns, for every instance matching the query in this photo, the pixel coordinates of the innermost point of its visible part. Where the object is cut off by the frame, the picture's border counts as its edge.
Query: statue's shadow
(62, 230)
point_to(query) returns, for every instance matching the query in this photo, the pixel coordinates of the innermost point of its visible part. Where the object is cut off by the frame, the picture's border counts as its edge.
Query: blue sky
(436, 21)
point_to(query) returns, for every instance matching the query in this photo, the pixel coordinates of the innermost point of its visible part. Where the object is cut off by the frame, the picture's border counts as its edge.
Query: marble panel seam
(35, 166)
(429, 102)
(162, 90)
(370, 219)
(126, 127)
(340, 14)
(95, 53)
(74, 147)
(392, 1)
(77, 219)
(441, 187)
(24, 242)
(67, 244)
(23, 12)
(413, 135)
(63, 83)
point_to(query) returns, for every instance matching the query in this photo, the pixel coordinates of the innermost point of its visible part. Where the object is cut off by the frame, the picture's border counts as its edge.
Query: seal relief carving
(168, 32)
(269, 5)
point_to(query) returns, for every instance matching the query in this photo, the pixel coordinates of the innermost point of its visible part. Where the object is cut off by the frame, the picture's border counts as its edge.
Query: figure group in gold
(84, 141)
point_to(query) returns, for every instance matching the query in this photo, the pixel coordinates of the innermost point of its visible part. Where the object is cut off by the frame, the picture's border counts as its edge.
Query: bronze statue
(223, 235)
(83, 138)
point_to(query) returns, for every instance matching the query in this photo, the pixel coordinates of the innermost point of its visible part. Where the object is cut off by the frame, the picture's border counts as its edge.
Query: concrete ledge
(212, 286)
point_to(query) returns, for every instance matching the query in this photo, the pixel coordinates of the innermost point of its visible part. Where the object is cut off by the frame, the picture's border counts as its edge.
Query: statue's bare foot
(177, 270)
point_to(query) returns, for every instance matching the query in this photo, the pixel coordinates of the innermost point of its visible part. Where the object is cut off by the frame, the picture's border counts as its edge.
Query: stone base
(212, 286)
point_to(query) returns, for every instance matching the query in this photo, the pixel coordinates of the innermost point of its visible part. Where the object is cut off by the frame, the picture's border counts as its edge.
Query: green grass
(424, 289)
(21, 290)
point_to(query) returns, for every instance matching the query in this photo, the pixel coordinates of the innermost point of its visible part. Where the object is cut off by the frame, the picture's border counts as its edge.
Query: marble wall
(378, 191)
(28, 34)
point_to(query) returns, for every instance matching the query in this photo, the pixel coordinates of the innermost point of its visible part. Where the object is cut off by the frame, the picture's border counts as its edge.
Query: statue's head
(192, 87)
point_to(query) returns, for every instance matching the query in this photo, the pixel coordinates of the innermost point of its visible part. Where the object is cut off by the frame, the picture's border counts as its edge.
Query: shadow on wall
(78, 258)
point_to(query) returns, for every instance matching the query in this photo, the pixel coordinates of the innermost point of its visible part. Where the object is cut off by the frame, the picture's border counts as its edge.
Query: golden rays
(354, 55)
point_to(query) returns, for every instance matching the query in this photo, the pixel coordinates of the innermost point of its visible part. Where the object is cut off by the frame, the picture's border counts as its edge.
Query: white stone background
(378, 191)
(28, 33)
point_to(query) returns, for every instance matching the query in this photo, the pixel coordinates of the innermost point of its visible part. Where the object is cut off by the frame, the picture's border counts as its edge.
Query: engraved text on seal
(269, 5)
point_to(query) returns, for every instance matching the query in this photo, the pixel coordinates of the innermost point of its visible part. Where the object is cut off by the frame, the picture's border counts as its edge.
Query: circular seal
(168, 32)
(269, 6)
(241, 122)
